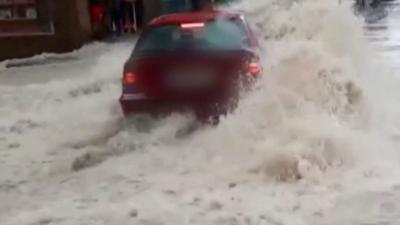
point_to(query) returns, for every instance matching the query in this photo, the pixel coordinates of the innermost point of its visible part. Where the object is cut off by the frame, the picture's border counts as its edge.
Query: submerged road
(316, 145)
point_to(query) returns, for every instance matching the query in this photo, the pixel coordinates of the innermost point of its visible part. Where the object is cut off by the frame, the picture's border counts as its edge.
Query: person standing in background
(127, 15)
(116, 16)
(97, 13)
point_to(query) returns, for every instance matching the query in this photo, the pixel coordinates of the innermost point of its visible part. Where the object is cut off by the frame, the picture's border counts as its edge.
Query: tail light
(129, 78)
(254, 69)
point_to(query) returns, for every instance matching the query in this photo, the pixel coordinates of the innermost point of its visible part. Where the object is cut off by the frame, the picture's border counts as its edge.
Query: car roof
(192, 17)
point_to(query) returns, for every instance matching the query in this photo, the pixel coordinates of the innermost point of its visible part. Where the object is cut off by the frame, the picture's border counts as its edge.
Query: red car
(197, 61)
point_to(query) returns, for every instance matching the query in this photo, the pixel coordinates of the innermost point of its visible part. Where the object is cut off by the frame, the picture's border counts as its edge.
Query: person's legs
(127, 16)
(130, 15)
(123, 16)
(116, 21)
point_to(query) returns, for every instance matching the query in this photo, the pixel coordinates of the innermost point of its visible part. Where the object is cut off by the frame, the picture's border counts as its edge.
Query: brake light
(192, 25)
(254, 69)
(129, 78)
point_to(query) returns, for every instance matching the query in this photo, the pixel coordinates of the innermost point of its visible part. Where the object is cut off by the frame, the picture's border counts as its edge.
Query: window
(222, 34)
(18, 10)
(22, 17)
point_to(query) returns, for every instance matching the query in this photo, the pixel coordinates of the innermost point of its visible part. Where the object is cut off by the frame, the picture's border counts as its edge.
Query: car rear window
(221, 34)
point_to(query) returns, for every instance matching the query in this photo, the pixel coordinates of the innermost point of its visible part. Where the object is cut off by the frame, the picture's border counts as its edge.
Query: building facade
(154, 8)
(30, 27)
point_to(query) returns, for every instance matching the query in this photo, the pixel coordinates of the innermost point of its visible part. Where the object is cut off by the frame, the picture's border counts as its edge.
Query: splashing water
(312, 145)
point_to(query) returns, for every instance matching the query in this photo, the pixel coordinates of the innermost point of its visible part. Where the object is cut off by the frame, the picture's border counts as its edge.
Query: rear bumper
(139, 104)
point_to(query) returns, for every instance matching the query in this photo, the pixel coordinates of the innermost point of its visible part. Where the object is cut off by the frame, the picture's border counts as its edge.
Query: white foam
(317, 130)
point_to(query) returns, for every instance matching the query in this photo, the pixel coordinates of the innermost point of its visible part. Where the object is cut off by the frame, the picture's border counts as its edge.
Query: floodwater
(316, 144)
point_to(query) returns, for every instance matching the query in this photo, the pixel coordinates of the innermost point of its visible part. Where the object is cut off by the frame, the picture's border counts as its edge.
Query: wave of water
(307, 147)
